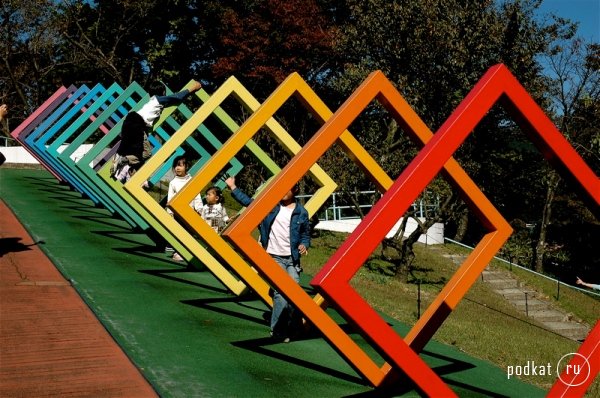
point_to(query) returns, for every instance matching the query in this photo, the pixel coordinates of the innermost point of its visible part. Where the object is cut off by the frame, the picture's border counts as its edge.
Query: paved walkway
(51, 344)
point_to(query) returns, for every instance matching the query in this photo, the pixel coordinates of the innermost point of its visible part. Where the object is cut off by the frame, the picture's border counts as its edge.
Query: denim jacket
(299, 225)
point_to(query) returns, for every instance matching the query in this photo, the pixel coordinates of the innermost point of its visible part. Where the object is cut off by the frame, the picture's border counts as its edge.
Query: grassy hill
(484, 324)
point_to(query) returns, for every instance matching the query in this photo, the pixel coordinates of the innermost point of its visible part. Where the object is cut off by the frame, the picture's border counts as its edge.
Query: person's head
(290, 196)
(180, 166)
(214, 195)
(156, 87)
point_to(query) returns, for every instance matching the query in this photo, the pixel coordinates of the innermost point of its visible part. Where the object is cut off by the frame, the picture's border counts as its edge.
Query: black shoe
(279, 337)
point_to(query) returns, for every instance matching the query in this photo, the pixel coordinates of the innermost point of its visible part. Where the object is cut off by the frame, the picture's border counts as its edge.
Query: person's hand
(195, 87)
(230, 181)
(3, 111)
(233, 218)
(579, 281)
(302, 249)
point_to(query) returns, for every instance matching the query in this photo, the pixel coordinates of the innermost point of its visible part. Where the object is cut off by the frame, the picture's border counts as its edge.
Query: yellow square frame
(293, 84)
(248, 276)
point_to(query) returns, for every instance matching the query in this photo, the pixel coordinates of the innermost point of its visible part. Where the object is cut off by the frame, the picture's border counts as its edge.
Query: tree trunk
(463, 225)
(540, 247)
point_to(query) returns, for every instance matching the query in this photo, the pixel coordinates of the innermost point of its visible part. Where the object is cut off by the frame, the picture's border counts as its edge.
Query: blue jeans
(280, 304)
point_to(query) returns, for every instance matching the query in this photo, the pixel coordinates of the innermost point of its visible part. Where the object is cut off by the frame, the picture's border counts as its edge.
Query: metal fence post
(419, 299)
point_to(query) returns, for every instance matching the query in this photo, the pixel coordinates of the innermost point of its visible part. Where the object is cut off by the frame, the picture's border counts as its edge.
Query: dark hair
(179, 159)
(218, 192)
(156, 87)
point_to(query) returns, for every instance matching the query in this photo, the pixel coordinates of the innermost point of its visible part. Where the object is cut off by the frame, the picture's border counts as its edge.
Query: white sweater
(175, 186)
(150, 111)
(216, 216)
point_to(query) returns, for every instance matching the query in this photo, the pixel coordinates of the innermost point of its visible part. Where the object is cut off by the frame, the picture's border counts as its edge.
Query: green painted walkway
(181, 328)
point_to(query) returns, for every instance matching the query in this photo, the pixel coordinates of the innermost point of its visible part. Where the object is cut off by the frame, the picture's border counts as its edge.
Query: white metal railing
(558, 282)
(338, 210)
(5, 140)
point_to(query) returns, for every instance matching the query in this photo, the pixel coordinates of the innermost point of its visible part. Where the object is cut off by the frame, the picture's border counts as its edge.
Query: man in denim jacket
(285, 235)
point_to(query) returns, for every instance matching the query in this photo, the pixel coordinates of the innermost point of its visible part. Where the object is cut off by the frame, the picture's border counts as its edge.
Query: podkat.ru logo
(573, 366)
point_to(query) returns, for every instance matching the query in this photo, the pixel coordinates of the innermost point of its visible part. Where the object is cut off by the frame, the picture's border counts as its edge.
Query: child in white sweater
(180, 168)
(214, 213)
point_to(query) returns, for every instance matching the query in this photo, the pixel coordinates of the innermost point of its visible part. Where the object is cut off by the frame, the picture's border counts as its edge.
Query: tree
(264, 41)
(574, 94)
(434, 52)
(122, 41)
(30, 55)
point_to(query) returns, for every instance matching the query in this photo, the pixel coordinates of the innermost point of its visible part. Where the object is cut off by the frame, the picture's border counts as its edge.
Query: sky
(586, 12)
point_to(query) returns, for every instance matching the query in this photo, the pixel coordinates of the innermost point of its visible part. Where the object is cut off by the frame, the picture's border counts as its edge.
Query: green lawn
(191, 338)
(483, 325)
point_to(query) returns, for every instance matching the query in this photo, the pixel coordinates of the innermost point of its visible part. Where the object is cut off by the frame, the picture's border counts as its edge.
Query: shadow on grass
(211, 304)
(107, 220)
(122, 236)
(402, 384)
(309, 333)
(453, 366)
(259, 346)
(77, 203)
(170, 274)
(405, 386)
(51, 185)
(45, 181)
(64, 192)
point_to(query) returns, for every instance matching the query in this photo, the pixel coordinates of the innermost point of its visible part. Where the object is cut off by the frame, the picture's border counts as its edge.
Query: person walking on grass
(285, 235)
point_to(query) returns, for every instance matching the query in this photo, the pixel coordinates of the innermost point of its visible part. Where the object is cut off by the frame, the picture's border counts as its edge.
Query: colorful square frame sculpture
(93, 119)
(77, 105)
(115, 110)
(333, 279)
(116, 187)
(36, 118)
(182, 239)
(236, 263)
(239, 232)
(28, 140)
(234, 145)
(131, 99)
(49, 154)
(497, 85)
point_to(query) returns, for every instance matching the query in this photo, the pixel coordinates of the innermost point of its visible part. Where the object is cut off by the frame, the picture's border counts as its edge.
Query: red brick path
(51, 344)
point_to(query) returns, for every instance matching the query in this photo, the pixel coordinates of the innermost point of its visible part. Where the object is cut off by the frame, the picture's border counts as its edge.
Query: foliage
(433, 51)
